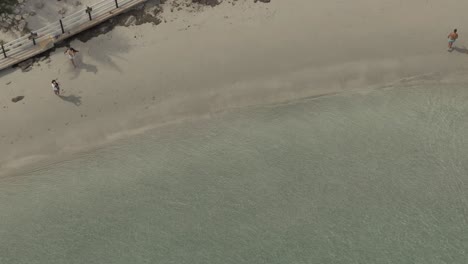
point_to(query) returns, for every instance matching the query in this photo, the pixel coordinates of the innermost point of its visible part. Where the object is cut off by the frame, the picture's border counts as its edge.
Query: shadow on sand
(76, 100)
(80, 66)
(114, 46)
(463, 50)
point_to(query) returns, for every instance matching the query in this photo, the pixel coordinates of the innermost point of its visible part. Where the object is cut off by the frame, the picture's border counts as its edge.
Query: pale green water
(375, 178)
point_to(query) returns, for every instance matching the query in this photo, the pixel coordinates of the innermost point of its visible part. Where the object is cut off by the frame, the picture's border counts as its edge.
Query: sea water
(375, 177)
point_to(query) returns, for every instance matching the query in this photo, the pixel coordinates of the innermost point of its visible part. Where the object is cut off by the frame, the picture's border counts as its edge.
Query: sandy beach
(234, 55)
(294, 131)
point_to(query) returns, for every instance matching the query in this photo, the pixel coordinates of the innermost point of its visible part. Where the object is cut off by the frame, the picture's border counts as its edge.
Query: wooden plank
(15, 60)
(99, 19)
(50, 41)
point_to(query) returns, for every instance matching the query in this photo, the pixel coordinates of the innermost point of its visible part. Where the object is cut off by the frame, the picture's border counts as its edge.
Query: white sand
(229, 56)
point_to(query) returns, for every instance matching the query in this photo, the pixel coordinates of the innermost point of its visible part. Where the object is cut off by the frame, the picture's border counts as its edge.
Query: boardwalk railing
(45, 38)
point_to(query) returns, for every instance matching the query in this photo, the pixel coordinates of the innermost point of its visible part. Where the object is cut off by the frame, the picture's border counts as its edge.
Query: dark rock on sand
(17, 99)
(26, 65)
(263, 1)
(206, 2)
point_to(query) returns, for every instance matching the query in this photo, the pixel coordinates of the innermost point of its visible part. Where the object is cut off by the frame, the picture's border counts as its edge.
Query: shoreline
(30, 164)
(202, 63)
(34, 163)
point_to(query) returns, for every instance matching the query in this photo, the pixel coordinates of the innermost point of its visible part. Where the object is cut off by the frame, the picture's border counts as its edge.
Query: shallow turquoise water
(354, 178)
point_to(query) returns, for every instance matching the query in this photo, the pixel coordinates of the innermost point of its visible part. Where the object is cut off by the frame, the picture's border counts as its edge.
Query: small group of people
(71, 53)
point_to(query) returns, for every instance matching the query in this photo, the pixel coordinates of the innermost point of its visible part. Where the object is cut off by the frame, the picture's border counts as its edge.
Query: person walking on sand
(452, 37)
(71, 53)
(56, 87)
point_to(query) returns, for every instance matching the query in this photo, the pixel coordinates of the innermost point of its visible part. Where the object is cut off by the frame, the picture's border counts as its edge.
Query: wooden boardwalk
(24, 48)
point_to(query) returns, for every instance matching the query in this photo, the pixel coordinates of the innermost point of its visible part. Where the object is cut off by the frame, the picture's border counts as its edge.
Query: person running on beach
(71, 53)
(56, 87)
(452, 37)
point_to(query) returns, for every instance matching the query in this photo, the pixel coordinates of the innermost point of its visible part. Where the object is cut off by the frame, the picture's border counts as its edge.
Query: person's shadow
(460, 50)
(80, 65)
(76, 100)
(88, 67)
